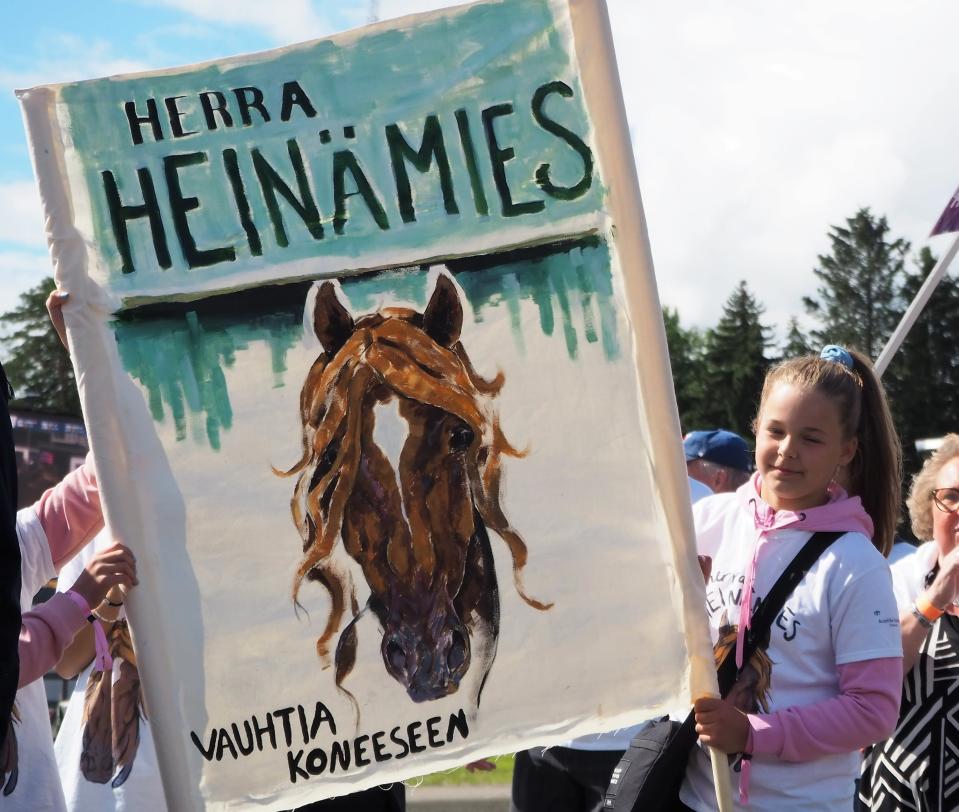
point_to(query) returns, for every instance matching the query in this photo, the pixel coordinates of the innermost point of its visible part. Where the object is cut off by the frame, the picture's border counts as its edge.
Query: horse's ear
(443, 317)
(332, 322)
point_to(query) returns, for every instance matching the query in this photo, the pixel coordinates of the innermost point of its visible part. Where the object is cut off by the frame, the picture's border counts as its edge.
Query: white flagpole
(604, 98)
(912, 313)
(720, 765)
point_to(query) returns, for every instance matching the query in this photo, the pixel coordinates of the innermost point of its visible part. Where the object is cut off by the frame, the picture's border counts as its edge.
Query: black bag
(651, 771)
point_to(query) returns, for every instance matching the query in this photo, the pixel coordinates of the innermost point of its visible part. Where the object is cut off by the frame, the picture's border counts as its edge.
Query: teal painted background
(489, 54)
(180, 359)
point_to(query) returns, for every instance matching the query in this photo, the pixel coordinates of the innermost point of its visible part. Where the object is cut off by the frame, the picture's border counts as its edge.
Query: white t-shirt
(843, 611)
(900, 550)
(38, 785)
(909, 574)
(142, 791)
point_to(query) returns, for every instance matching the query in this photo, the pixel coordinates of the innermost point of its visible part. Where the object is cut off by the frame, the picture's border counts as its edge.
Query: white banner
(373, 367)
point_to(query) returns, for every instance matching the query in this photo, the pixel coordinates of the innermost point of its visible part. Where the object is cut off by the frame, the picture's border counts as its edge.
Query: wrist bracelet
(928, 611)
(111, 603)
(923, 620)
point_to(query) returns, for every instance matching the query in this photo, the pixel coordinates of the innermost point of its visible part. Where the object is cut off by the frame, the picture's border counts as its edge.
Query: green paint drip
(569, 331)
(589, 322)
(542, 295)
(181, 361)
(606, 303)
(511, 293)
(548, 282)
(586, 301)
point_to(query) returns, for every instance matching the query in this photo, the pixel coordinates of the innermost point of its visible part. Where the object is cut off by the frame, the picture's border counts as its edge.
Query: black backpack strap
(770, 606)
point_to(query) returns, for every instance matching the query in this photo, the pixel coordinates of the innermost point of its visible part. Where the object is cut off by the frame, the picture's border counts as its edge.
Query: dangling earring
(834, 482)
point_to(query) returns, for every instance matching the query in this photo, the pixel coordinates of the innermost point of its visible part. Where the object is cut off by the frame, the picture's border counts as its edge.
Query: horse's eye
(461, 438)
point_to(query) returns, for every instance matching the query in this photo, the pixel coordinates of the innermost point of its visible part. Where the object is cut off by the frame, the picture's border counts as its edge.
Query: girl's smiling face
(799, 447)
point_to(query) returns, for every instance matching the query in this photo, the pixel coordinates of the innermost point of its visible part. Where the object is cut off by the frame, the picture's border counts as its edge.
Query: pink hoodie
(840, 513)
(70, 516)
(867, 706)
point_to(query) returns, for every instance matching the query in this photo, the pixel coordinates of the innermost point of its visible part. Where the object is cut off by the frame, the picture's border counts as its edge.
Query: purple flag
(949, 219)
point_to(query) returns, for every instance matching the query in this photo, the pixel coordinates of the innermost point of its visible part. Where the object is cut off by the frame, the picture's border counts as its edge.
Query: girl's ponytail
(875, 474)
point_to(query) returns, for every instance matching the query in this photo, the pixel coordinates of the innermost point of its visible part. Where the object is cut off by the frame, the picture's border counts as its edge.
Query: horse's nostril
(396, 656)
(456, 655)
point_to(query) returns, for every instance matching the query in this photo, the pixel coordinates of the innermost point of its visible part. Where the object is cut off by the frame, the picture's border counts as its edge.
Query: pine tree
(857, 301)
(923, 376)
(38, 366)
(685, 359)
(734, 364)
(796, 343)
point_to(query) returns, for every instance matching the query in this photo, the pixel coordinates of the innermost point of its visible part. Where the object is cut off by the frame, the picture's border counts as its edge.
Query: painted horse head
(401, 461)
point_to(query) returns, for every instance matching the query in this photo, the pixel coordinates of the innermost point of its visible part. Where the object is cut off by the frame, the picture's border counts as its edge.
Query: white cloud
(284, 22)
(24, 260)
(22, 221)
(756, 126)
(398, 8)
(62, 57)
(19, 271)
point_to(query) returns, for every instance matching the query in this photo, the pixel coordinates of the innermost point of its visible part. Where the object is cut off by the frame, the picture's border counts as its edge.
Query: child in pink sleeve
(51, 532)
(70, 512)
(69, 515)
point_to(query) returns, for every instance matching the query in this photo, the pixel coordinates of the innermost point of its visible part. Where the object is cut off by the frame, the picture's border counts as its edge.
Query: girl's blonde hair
(920, 494)
(875, 472)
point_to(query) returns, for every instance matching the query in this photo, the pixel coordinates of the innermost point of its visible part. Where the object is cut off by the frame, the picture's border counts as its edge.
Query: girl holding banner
(829, 679)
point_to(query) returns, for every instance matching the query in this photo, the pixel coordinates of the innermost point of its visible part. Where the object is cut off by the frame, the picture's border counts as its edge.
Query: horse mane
(388, 348)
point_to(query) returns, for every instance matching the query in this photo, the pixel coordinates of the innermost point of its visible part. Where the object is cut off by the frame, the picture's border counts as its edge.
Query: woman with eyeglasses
(917, 768)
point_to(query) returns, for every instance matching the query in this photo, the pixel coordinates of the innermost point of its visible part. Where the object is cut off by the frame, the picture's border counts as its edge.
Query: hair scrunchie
(838, 355)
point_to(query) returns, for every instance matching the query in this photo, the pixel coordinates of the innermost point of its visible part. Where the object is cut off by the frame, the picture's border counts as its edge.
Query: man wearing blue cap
(719, 459)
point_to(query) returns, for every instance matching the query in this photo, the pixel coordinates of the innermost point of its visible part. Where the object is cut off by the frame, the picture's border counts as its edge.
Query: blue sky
(66, 45)
(69, 41)
(755, 125)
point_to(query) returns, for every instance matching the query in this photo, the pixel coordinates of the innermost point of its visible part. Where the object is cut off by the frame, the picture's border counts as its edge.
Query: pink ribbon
(745, 767)
(765, 519)
(102, 661)
(79, 601)
(840, 512)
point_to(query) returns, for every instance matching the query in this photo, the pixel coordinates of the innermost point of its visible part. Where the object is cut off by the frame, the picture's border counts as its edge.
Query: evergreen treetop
(857, 301)
(735, 363)
(38, 366)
